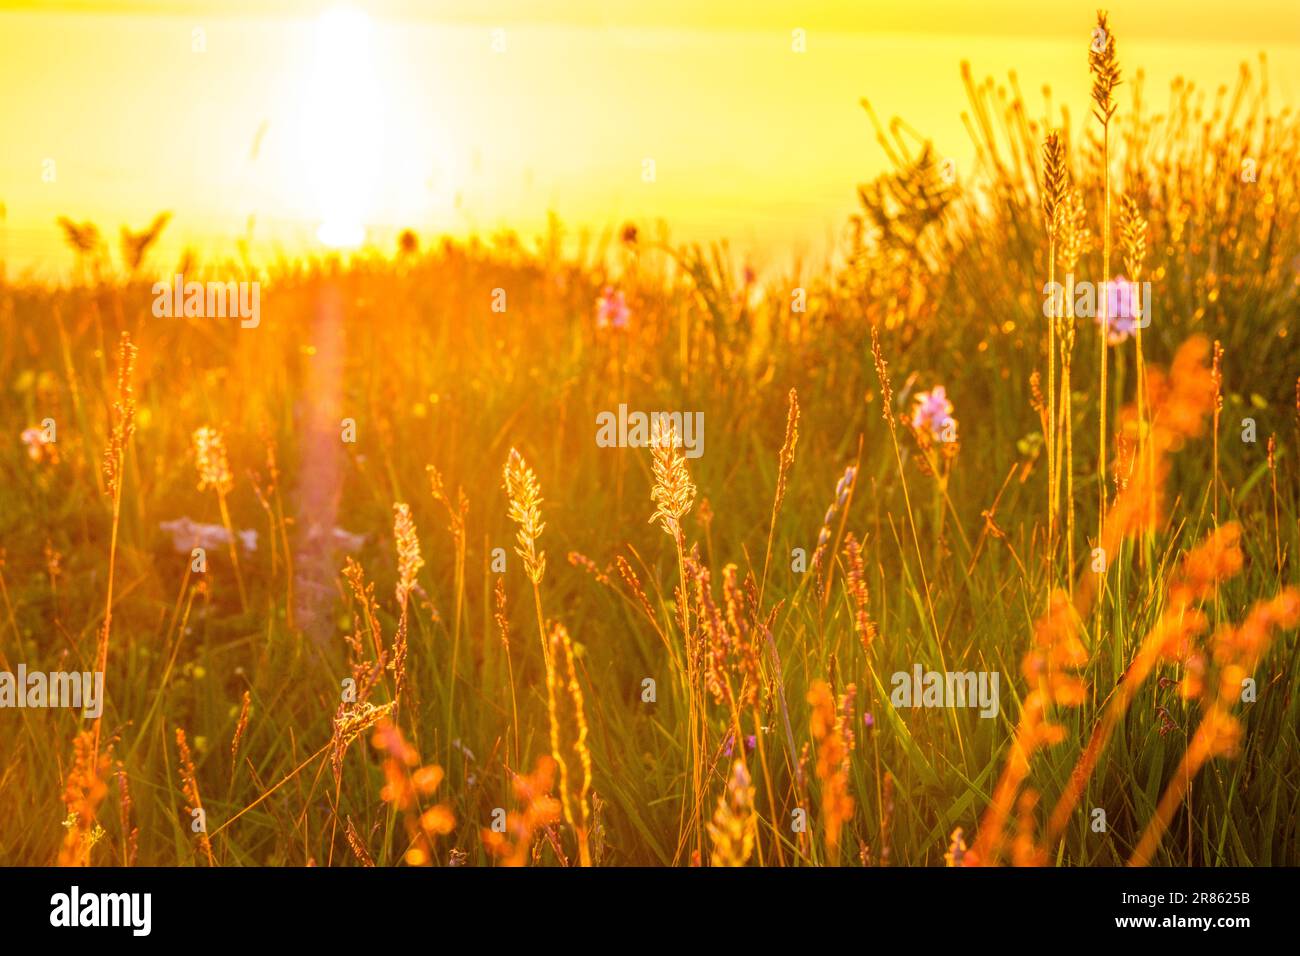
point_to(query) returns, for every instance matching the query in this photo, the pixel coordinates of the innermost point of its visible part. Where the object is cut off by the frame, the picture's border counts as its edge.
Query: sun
(340, 136)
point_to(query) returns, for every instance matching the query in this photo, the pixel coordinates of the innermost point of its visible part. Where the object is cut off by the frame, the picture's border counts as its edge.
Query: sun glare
(340, 133)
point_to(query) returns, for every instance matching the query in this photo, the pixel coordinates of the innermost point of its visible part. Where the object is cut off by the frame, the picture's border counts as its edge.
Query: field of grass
(462, 639)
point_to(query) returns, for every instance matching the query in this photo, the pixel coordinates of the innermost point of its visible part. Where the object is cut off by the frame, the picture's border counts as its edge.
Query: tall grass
(745, 618)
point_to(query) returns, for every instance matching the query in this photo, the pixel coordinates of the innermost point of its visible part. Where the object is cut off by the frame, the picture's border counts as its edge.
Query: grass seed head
(673, 492)
(525, 496)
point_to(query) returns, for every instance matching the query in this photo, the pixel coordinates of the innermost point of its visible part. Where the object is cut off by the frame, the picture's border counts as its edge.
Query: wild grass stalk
(1104, 64)
(673, 494)
(1054, 191)
(1075, 239)
(214, 472)
(784, 461)
(114, 466)
(1133, 239)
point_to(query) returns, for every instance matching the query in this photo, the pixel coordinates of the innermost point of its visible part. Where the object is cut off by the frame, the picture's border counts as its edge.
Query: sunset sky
(324, 121)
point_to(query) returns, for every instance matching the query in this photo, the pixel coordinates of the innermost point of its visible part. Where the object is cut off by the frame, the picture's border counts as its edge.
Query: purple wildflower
(933, 411)
(611, 309)
(1121, 309)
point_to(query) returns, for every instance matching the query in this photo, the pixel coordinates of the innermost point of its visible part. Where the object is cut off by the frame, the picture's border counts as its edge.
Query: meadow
(433, 620)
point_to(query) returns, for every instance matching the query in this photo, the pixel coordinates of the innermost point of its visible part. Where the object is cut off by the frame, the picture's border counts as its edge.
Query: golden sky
(393, 113)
